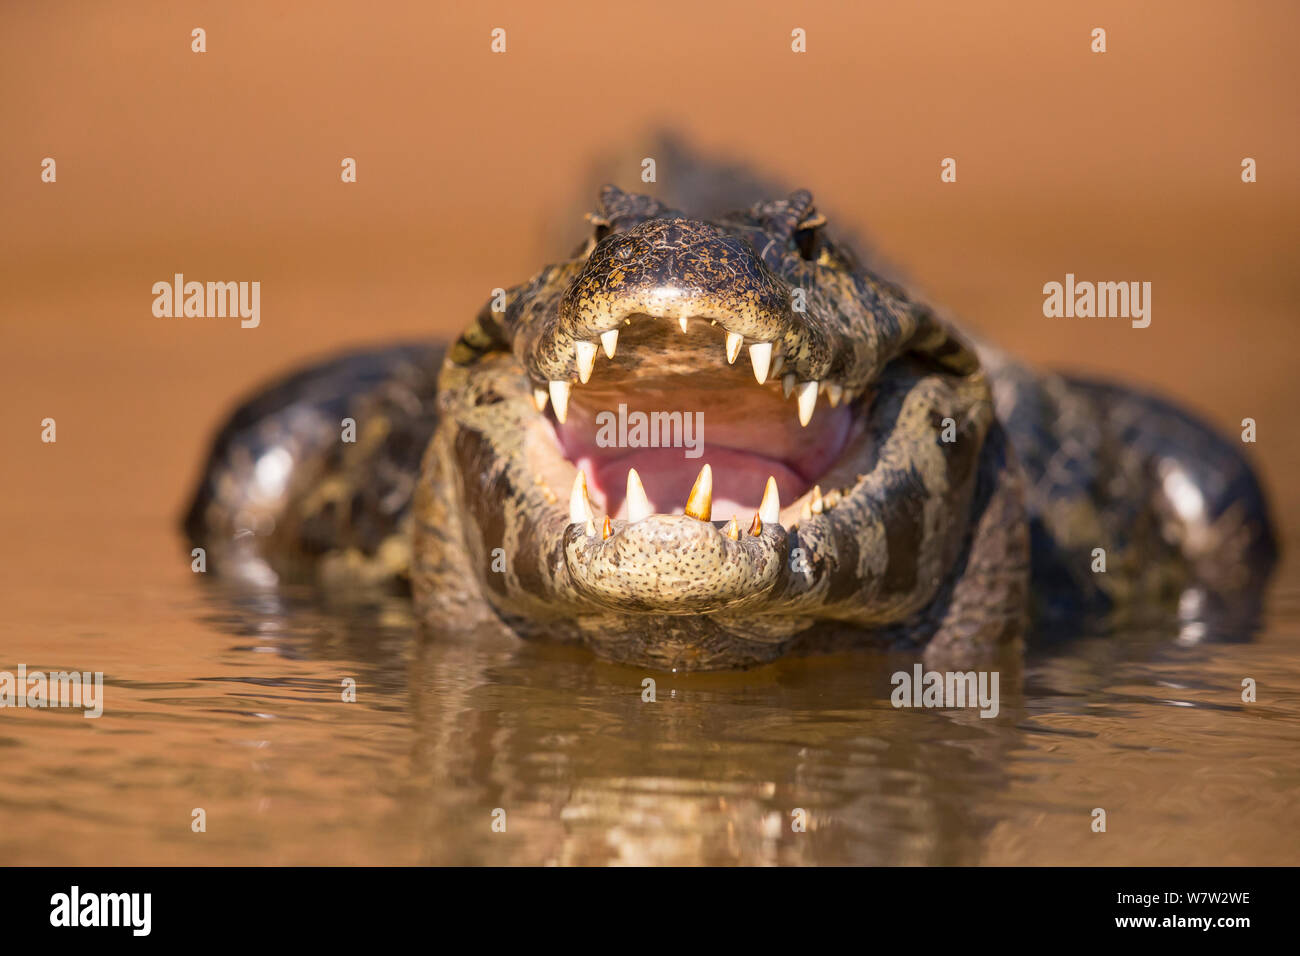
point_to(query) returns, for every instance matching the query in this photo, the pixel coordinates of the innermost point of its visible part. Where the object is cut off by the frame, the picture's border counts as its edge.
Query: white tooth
(609, 341)
(638, 505)
(817, 503)
(682, 322)
(807, 399)
(787, 384)
(734, 342)
(585, 352)
(834, 393)
(778, 363)
(760, 356)
(560, 399)
(579, 504)
(769, 509)
(540, 398)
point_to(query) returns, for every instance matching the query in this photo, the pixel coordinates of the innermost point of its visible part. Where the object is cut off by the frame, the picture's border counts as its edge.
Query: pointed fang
(609, 342)
(769, 510)
(585, 353)
(700, 503)
(638, 505)
(560, 399)
(579, 505)
(807, 401)
(734, 342)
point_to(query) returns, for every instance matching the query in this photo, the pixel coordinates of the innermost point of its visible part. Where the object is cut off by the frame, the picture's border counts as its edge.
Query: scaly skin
(945, 474)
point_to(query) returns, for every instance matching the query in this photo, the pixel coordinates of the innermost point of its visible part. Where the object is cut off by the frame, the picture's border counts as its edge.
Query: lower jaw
(674, 567)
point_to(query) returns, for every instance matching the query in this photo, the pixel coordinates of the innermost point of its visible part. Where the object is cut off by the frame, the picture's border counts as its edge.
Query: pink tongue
(738, 480)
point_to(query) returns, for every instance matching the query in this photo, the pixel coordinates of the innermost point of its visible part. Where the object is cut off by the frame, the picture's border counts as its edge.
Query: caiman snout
(678, 270)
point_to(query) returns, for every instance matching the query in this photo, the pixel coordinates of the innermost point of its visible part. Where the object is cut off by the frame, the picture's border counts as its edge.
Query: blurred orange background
(225, 166)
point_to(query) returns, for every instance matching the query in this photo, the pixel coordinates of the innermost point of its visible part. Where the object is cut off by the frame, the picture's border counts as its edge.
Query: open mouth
(712, 439)
(677, 415)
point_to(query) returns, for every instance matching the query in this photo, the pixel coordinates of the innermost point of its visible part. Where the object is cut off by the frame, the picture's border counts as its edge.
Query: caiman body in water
(871, 475)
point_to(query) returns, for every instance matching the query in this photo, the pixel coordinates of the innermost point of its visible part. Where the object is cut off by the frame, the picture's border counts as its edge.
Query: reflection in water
(715, 770)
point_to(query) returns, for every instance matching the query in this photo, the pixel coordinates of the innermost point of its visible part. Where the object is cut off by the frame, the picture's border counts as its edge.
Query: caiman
(868, 474)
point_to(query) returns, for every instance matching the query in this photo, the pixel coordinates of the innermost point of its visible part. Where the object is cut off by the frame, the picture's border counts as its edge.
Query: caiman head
(695, 441)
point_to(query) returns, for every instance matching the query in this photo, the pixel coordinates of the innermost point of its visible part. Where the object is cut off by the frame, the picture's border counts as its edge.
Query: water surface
(232, 702)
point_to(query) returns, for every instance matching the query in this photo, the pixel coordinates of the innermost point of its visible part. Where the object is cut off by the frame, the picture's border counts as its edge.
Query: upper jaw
(716, 279)
(778, 348)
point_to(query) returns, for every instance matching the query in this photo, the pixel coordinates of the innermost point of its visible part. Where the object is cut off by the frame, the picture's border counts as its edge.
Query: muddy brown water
(225, 166)
(232, 702)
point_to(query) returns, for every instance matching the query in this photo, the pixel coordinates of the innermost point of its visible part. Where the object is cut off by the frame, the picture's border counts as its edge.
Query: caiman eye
(807, 236)
(808, 242)
(601, 226)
